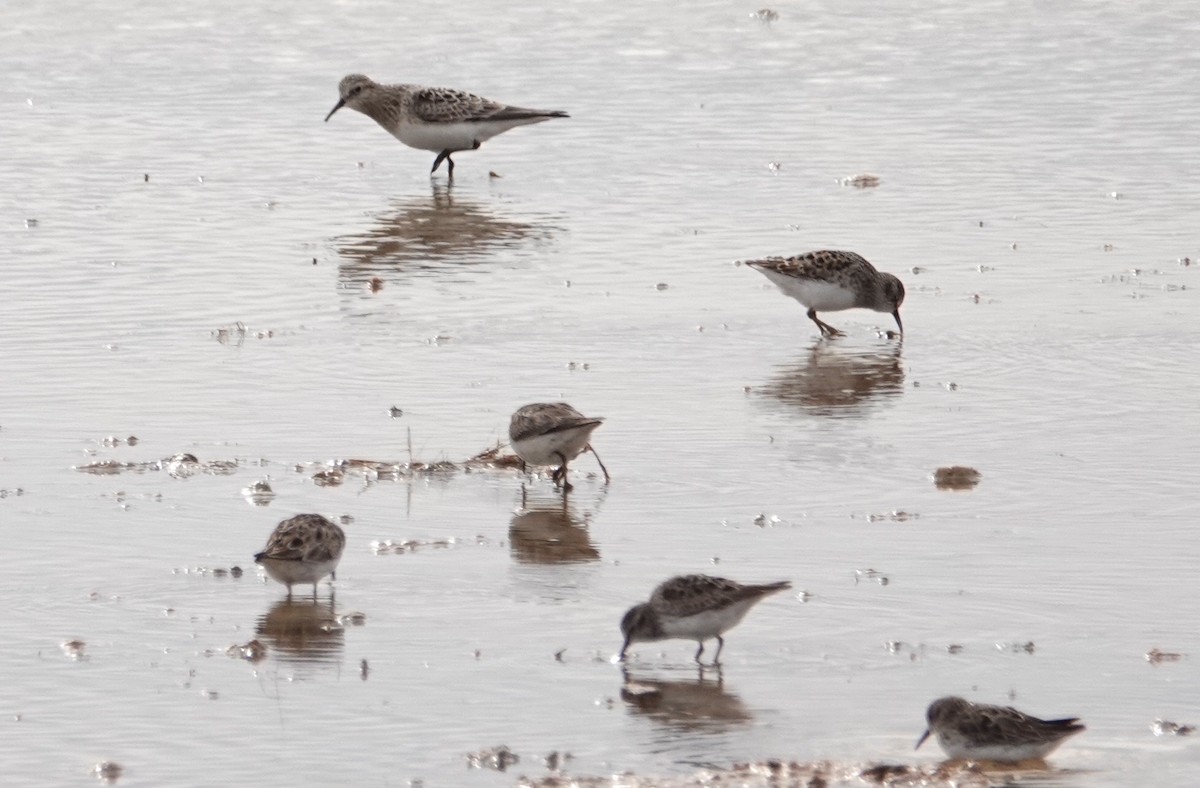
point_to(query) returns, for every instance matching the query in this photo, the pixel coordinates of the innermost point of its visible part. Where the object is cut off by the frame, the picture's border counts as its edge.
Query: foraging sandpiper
(977, 731)
(303, 549)
(553, 433)
(442, 120)
(693, 607)
(830, 281)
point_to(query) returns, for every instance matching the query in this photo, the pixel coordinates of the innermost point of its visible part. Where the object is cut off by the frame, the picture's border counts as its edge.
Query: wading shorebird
(442, 120)
(553, 433)
(693, 607)
(977, 731)
(830, 281)
(303, 549)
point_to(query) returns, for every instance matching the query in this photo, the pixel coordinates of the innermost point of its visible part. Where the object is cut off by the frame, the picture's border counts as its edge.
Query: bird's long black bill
(624, 648)
(899, 325)
(921, 740)
(341, 103)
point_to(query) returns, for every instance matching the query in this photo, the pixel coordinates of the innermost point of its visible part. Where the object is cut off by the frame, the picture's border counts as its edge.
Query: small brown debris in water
(765, 15)
(556, 760)
(107, 772)
(210, 694)
(254, 651)
(74, 649)
(956, 477)
(1027, 647)
(558, 655)
(1155, 657)
(496, 758)
(661, 286)
(954, 648)
(1162, 727)
(494, 174)
(376, 284)
(364, 669)
(395, 412)
(235, 572)
(774, 166)
(864, 181)
(871, 574)
(328, 478)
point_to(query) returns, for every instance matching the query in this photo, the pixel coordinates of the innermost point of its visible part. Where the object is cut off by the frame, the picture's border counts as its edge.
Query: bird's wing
(547, 418)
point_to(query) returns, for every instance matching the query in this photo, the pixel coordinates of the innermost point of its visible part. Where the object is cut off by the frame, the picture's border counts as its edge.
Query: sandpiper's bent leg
(826, 329)
(443, 156)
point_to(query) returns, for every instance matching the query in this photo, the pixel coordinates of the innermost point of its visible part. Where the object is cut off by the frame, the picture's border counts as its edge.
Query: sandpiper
(437, 119)
(553, 433)
(303, 549)
(693, 607)
(830, 281)
(977, 731)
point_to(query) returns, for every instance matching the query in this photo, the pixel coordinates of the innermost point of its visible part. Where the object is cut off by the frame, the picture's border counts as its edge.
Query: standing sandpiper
(977, 731)
(553, 433)
(829, 281)
(693, 607)
(303, 549)
(437, 119)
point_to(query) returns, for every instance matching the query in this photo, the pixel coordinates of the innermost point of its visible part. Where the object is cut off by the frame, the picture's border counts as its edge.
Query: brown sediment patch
(497, 758)
(863, 181)
(179, 466)
(820, 774)
(1162, 727)
(393, 547)
(1157, 657)
(74, 649)
(253, 651)
(107, 772)
(956, 477)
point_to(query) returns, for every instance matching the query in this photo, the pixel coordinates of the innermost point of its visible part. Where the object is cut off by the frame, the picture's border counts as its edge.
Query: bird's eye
(354, 91)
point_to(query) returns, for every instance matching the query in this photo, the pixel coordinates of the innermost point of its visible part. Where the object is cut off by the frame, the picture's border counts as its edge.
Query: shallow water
(1038, 189)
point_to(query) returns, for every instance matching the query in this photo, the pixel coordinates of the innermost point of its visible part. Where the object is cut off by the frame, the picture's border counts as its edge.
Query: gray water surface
(1039, 183)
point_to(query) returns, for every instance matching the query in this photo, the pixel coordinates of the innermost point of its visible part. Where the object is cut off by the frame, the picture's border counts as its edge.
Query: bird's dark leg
(699, 651)
(443, 156)
(607, 478)
(560, 475)
(720, 645)
(450, 165)
(826, 329)
(289, 591)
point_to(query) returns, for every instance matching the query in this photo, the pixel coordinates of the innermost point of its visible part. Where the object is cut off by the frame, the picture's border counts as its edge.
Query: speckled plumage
(978, 731)
(693, 607)
(437, 119)
(830, 281)
(303, 549)
(552, 433)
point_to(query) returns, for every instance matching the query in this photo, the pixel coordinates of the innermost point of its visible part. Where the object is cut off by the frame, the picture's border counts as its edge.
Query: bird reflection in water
(302, 630)
(425, 233)
(839, 380)
(694, 704)
(550, 531)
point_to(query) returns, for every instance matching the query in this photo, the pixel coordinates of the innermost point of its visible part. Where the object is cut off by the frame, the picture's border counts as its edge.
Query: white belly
(545, 449)
(814, 293)
(959, 749)
(455, 136)
(706, 625)
(298, 572)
